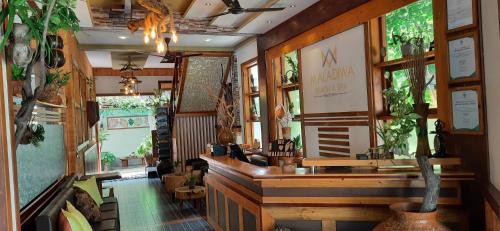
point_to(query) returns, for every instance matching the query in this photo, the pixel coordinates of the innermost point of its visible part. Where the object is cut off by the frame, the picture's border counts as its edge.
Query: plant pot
(26, 139)
(191, 185)
(406, 49)
(55, 42)
(21, 50)
(225, 136)
(55, 60)
(407, 218)
(287, 133)
(17, 87)
(255, 117)
(219, 150)
(49, 93)
(255, 89)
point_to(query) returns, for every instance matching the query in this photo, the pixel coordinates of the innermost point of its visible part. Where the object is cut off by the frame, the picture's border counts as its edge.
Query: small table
(184, 193)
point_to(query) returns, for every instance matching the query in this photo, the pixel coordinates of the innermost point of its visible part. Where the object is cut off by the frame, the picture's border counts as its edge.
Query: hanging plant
(293, 73)
(42, 19)
(34, 134)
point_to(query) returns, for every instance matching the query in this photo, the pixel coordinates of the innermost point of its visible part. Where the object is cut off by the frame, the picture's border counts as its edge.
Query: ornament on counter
(439, 142)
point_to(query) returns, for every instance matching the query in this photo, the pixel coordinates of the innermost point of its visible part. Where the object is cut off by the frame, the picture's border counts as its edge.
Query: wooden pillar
(9, 205)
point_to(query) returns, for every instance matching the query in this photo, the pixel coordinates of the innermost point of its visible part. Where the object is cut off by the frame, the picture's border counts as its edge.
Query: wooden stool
(184, 193)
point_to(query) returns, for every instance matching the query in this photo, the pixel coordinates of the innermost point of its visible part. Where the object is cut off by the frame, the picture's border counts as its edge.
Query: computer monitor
(237, 153)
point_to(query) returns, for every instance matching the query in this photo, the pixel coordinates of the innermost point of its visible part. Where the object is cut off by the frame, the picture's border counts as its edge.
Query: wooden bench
(125, 160)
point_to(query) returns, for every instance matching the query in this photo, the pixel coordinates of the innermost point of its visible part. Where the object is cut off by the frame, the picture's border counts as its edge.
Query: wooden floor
(144, 206)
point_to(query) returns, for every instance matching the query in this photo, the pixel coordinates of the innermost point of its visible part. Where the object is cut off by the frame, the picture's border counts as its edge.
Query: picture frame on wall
(461, 14)
(463, 58)
(127, 122)
(466, 110)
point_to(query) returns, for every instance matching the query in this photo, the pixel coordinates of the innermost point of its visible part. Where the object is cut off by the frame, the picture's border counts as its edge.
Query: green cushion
(72, 220)
(90, 186)
(84, 224)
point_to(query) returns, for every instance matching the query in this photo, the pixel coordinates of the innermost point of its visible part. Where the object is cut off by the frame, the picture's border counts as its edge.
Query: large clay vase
(21, 50)
(225, 136)
(408, 218)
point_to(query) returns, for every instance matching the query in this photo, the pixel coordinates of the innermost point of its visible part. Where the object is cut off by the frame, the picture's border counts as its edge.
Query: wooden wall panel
(79, 67)
(6, 211)
(492, 220)
(193, 133)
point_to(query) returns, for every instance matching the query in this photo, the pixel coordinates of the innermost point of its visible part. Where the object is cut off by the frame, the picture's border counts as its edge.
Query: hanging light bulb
(153, 32)
(161, 47)
(146, 39)
(174, 36)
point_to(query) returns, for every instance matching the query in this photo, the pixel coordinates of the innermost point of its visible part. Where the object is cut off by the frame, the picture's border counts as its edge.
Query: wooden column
(9, 216)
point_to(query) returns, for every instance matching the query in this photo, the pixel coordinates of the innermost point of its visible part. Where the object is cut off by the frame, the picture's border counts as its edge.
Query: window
(251, 106)
(413, 20)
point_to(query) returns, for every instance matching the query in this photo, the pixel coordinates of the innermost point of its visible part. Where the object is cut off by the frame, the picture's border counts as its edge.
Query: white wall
(123, 142)
(491, 52)
(243, 54)
(110, 84)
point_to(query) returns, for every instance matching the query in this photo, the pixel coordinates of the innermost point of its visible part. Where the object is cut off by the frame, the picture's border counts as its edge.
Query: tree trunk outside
(432, 181)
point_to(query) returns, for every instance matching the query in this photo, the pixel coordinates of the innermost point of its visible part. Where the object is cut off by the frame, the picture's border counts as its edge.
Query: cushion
(67, 222)
(84, 224)
(87, 206)
(90, 186)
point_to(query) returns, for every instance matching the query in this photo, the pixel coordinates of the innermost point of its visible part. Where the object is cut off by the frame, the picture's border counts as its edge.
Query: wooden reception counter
(246, 197)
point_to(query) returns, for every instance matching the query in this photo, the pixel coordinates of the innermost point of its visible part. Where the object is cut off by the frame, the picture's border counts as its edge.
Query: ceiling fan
(234, 7)
(170, 57)
(129, 66)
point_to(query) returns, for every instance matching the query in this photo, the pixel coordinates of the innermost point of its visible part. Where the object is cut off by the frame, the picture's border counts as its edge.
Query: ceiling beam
(253, 16)
(144, 72)
(205, 31)
(143, 48)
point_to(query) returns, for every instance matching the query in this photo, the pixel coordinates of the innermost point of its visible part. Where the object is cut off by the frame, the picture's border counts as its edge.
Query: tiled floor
(144, 206)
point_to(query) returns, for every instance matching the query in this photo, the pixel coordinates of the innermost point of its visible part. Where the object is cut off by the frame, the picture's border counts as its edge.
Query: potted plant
(293, 73)
(412, 216)
(404, 42)
(253, 87)
(108, 158)
(225, 115)
(297, 140)
(285, 119)
(395, 133)
(191, 180)
(253, 111)
(54, 82)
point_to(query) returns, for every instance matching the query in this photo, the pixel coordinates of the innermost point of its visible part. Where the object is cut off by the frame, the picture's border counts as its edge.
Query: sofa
(47, 220)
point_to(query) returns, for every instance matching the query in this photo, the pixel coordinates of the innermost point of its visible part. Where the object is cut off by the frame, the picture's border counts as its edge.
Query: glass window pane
(254, 76)
(412, 141)
(413, 20)
(256, 104)
(400, 80)
(256, 132)
(295, 101)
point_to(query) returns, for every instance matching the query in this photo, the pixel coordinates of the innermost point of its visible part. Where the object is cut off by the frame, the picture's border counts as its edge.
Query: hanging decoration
(158, 20)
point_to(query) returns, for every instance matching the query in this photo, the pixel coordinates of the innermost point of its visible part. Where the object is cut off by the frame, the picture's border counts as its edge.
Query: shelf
(397, 63)
(254, 94)
(337, 162)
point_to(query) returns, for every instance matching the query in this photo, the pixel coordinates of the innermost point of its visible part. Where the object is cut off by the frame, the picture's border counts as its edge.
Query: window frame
(248, 100)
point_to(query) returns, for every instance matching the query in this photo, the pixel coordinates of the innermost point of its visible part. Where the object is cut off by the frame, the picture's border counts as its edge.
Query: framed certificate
(463, 58)
(461, 14)
(467, 110)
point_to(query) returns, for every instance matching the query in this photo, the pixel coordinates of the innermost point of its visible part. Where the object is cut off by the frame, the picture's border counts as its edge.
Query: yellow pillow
(90, 186)
(72, 220)
(84, 224)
